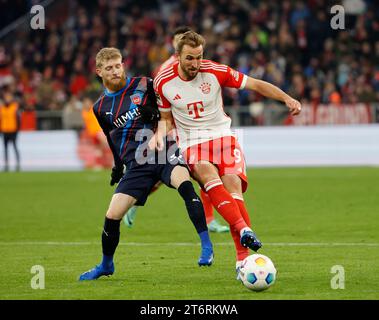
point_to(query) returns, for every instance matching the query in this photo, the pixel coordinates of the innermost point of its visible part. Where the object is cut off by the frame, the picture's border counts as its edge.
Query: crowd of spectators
(289, 43)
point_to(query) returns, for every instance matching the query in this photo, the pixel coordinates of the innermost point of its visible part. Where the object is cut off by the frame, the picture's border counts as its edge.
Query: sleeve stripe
(157, 81)
(163, 73)
(207, 64)
(217, 68)
(243, 83)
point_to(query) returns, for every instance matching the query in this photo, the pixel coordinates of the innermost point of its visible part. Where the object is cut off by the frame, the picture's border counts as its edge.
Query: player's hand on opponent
(116, 175)
(160, 143)
(156, 142)
(293, 105)
(153, 142)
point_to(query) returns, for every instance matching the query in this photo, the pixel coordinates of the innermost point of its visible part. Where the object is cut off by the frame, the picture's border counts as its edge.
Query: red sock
(241, 251)
(242, 207)
(225, 205)
(207, 204)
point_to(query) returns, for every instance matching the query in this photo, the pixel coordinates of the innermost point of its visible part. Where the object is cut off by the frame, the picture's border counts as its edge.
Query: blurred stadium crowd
(288, 43)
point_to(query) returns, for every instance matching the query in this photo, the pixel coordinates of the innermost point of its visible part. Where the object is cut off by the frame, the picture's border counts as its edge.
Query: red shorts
(225, 153)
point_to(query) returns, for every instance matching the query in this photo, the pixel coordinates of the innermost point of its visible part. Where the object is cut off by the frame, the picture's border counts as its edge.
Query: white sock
(238, 263)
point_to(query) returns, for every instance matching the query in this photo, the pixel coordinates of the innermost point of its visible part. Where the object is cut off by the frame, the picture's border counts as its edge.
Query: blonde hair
(190, 38)
(106, 54)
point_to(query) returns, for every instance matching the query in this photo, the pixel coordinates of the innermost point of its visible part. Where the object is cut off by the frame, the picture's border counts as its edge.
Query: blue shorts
(138, 181)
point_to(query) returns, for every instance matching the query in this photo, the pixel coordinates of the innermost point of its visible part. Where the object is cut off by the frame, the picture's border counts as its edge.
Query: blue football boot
(249, 240)
(97, 272)
(206, 258)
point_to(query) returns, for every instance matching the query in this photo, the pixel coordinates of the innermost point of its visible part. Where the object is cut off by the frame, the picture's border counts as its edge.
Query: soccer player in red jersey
(190, 99)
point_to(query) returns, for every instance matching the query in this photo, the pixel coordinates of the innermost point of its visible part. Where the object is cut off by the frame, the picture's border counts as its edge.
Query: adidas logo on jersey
(177, 97)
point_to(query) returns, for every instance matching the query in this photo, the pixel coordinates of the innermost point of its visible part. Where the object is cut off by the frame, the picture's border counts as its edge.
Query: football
(257, 272)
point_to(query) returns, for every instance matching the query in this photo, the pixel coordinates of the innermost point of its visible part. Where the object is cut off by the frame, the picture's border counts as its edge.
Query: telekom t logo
(195, 108)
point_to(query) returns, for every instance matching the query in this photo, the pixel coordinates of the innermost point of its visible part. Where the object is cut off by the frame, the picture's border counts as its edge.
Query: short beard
(115, 87)
(188, 76)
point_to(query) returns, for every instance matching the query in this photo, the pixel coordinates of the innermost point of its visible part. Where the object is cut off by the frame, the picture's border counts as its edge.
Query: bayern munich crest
(205, 87)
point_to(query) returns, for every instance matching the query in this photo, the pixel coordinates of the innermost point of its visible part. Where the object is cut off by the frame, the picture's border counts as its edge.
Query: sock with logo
(110, 238)
(241, 205)
(241, 251)
(225, 205)
(194, 206)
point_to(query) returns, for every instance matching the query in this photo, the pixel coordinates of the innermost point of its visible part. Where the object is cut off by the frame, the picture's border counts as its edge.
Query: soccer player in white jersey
(212, 223)
(190, 99)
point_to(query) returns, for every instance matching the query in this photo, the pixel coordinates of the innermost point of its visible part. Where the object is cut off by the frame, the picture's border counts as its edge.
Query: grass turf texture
(309, 220)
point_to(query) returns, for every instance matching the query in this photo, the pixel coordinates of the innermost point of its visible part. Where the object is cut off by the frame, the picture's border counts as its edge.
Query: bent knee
(119, 205)
(178, 176)
(115, 214)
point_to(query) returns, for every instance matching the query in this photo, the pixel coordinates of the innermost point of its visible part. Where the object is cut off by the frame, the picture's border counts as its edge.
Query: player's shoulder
(168, 63)
(141, 83)
(212, 66)
(98, 101)
(141, 79)
(165, 75)
(96, 107)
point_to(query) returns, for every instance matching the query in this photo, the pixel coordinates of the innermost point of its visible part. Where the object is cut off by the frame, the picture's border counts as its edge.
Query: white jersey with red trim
(197, 105)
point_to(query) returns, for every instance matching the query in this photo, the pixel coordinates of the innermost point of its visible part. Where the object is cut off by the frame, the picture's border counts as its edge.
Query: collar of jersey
(109, 94)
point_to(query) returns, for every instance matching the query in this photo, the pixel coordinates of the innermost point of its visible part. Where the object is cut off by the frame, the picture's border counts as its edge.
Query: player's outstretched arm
(165, 125)
(273, 92)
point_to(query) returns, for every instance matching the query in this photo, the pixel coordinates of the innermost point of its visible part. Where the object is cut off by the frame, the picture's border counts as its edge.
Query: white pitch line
(178, 244)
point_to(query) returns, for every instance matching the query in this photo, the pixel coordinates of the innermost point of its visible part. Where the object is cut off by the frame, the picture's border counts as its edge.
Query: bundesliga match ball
(257, 272)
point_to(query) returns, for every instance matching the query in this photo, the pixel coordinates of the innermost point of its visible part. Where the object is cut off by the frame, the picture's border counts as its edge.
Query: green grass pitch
(309, 219)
